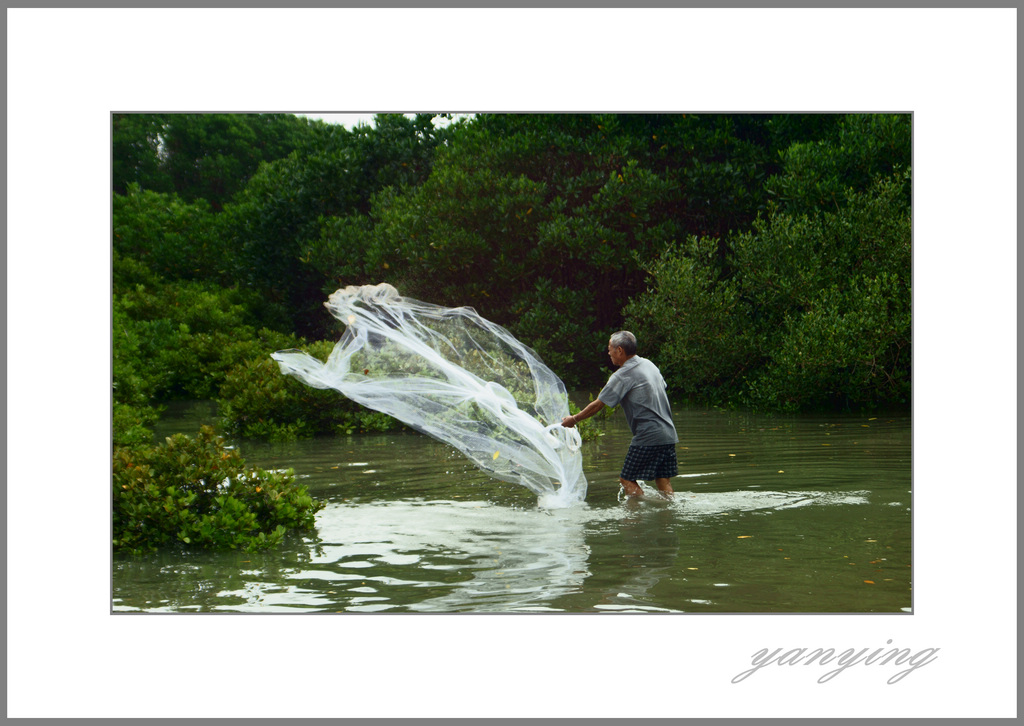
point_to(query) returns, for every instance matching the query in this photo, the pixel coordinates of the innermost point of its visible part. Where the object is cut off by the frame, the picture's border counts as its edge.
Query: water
(785, 514)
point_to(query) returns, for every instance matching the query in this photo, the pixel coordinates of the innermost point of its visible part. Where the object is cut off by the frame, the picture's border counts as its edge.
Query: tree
(834, 297)
(545, 222)
(136, 153)
(274, 224)
(859, 149)
(200, 156)
(175, 239)
(811, 306)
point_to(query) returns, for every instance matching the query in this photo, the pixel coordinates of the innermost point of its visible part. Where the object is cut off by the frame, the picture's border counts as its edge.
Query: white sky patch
(352, 120)
(348, 120)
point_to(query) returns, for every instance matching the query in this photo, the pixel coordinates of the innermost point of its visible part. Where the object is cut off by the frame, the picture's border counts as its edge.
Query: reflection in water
(467, 555)
(480, 557)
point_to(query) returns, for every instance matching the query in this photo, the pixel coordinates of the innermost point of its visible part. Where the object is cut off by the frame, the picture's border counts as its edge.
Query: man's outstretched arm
(592, 408)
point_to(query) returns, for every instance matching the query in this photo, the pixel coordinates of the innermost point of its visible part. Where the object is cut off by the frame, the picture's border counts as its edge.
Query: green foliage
(810, 306)
(258, 401)
(536, 221)
(273, 223)
(137, 149)
(395, 152)
(181, 338)
(695, 324)
(861, 148)
(836, 293)
(197, 493)
(174, 239)
(200, 156)
(134, 382)
(816, 315)
(547, 223)
(175, 339)
(132, 423)
(852, 349)
(547, 316)
(775, 247)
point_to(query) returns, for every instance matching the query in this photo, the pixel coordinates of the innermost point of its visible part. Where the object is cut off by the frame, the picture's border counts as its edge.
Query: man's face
(617, 355)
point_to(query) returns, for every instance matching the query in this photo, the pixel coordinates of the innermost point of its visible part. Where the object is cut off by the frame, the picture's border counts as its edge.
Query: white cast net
(453, 375)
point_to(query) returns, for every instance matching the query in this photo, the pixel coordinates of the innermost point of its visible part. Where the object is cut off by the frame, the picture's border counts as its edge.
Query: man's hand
(592, 408)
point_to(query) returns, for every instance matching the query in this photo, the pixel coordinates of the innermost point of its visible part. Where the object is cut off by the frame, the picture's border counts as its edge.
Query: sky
(351, 120)
(348, 120)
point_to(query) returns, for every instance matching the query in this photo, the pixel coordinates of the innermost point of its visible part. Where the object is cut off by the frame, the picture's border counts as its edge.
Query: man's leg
(631, 487)
(667, 468)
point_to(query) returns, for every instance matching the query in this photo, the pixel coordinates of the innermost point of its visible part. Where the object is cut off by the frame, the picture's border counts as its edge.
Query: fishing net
(453, 375)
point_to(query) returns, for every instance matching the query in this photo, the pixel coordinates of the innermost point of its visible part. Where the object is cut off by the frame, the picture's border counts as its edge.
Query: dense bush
(269, 224)
(176, 339)
(258, 401)
(841, 332)
(184, 336)
(816, 315)
(818, 175)
(174, 239)
(200, 156)
(696, 325)
(196, 492)
(134, 382)
(809, 306)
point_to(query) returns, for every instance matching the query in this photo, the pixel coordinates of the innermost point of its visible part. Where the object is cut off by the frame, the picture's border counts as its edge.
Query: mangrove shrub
(816, 314)
(196, 492)
(258, 401)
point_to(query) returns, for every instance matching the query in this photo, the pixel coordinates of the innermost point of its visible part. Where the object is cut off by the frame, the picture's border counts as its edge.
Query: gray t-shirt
(640, 388)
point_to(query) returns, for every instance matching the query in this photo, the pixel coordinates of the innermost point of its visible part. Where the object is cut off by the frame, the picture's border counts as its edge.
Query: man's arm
(592, 408)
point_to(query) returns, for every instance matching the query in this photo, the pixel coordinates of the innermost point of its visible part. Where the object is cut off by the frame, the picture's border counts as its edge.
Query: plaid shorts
(650, 462)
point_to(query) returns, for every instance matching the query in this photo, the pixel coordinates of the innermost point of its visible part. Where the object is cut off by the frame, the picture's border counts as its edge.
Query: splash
(457, 377)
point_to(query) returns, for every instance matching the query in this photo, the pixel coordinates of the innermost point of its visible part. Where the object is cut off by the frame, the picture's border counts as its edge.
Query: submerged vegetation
(762, 260)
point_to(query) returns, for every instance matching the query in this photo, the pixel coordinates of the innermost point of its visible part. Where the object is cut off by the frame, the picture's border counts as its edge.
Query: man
(638, 385)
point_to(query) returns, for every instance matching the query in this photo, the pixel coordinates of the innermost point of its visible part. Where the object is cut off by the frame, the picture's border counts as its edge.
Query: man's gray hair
(625, 340)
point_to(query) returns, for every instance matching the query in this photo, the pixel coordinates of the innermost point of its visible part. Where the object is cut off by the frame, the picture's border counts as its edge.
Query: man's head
(621, 347)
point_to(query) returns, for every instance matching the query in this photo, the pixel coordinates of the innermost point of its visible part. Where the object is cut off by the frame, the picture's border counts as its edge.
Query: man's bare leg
(665, 487)
(631, 488)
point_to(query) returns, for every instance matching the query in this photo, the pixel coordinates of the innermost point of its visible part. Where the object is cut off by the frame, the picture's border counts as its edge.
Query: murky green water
(790, 514)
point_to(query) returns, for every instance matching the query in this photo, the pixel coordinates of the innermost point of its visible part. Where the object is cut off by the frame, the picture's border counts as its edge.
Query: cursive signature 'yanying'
(847, 659)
